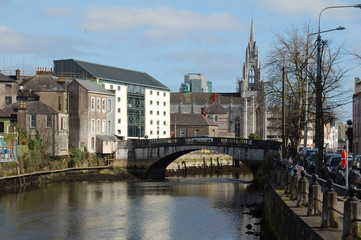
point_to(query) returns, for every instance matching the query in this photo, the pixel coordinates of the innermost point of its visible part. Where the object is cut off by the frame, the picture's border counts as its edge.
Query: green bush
(254, 136)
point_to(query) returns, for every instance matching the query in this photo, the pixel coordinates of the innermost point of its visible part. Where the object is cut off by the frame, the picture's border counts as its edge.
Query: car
(304, 154)
(354, 173)
(331, 167)
(326, 163)
(205, 138)
(340, 172)
(307, 157)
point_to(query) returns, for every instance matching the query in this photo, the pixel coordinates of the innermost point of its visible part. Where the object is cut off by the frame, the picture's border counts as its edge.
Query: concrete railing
(207, 141)
(308, 194)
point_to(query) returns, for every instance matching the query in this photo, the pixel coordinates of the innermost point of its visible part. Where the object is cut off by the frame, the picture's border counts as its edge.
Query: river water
(178, 208)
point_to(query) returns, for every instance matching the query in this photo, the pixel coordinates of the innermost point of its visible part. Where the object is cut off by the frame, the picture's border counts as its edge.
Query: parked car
(340, 173)
(331, 166)
(325, 163)
(205, 138)
(311, 161)
(354, 175)
(305, 155)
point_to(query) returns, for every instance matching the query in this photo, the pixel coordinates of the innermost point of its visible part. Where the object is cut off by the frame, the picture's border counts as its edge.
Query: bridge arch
(150, 158)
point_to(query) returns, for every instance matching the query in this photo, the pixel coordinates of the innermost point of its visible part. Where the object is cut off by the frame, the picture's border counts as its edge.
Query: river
(197, 207)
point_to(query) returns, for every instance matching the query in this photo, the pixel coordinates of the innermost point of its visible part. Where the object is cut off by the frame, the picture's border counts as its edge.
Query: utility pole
(283, 113)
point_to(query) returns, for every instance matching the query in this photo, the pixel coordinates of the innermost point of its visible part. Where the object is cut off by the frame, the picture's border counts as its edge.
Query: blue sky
(166, 39)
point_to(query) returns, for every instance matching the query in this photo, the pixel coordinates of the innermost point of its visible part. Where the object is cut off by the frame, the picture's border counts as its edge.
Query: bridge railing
(191, 141)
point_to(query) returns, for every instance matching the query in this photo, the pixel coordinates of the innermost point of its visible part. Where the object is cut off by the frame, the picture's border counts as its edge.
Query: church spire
(252, 39)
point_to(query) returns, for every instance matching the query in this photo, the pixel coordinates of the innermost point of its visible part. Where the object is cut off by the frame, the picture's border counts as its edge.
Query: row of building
(91, 106)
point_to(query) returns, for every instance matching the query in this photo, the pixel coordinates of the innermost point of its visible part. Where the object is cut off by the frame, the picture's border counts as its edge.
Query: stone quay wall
(282, 220)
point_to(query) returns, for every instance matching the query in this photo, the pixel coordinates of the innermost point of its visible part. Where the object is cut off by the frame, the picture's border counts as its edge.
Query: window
(8, 100)
(92, 125)
(157, 93)
(118, 88)
(62, 123)
(164, 103)
(182, 132)
(164, 113)
(151, 122)
(109, 126)
(151, 102)
(158, 113)
(216, 119)
(98, 125)
(151, 92)
(151, 112)
(98, 104)
(109, 105)
(59, 103)
(164, 123)
(158, 103)
(196, 133)
(118, 110)
(251, 75)
(111, 87)
(164, 94)
(32, 121)
(151, 132)
(119, 121)
(164, 132)
(8, 85)
(104, 125)
(104, 103)
(63, 142)
(118, 99)
(92, 143)
(158, 122)
(119, 131)
(92, 104)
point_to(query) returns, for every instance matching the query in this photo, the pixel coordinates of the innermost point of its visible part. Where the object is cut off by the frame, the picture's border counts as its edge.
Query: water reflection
(179, 208)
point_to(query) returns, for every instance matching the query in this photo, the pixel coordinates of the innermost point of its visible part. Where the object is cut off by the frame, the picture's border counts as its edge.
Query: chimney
(17, 73)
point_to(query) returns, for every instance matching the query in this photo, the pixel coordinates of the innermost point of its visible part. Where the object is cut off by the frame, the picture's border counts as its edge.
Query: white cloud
(157, 23)
(14, 42)
(296, 8)
(58, 11)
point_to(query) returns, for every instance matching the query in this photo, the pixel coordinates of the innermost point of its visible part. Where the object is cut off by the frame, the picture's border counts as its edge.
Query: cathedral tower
(251, 90)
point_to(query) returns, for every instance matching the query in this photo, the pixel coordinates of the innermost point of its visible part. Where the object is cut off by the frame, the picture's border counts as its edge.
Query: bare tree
(294, 51)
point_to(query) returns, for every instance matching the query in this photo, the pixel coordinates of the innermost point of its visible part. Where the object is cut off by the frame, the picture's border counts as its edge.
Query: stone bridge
(149, 158)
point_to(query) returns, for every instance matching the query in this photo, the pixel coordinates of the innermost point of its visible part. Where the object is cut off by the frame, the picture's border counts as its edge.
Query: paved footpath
(315, 221)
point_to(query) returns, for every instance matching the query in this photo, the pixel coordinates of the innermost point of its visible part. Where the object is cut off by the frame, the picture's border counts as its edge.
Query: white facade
(120, 108)
(157, 113)
(156, 108)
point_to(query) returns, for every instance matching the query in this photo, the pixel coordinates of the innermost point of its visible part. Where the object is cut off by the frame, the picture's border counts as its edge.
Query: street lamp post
(319, 89)
(306, 85)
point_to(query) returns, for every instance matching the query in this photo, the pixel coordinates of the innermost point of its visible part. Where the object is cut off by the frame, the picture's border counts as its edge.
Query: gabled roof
(189, 119)
(4, 78)
(42, 82)
(4, 114)
(109, 138)
(215, 108)
(32, 107)
(115, 74)
(204, 98)
(92, 87)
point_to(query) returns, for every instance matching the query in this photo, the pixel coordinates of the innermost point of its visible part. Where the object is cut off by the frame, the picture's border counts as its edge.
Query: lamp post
(305, 129)
(319, 89)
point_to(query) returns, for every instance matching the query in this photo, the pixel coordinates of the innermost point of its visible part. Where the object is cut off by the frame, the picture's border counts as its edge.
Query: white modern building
(195, 82)
(142, 104)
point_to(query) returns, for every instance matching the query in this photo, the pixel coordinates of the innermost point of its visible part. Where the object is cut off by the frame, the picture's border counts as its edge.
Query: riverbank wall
(34, 180)
(281, 220)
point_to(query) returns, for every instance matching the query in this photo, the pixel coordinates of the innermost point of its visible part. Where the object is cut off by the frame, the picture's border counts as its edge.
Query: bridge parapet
(215, 141)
